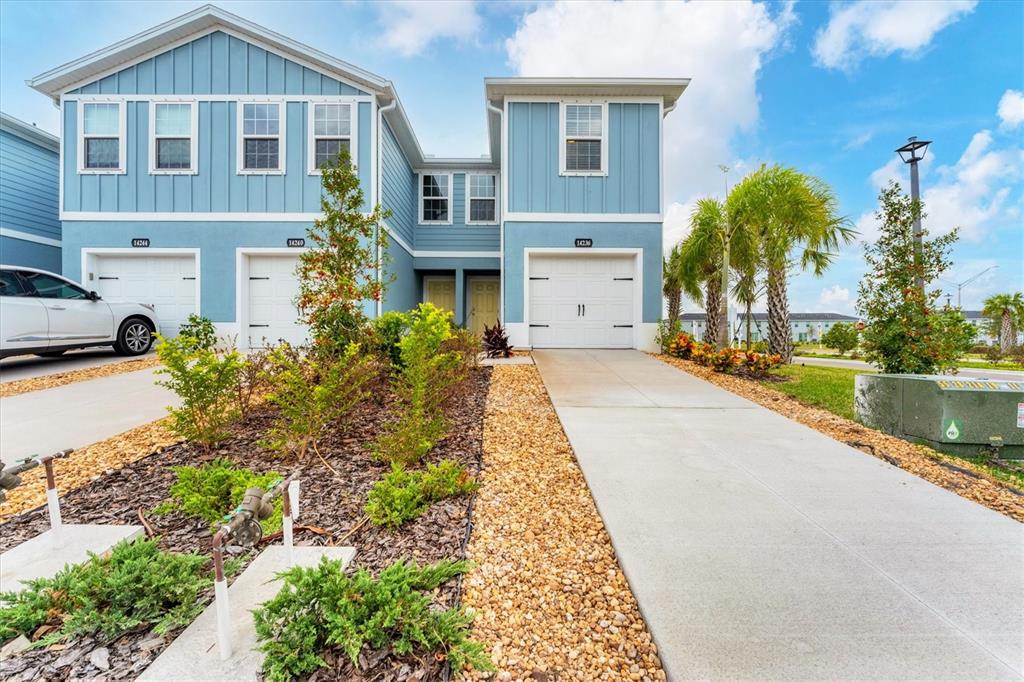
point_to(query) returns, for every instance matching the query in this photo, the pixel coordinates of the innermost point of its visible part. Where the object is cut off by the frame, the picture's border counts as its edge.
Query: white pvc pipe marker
(53, 506)
(293, 496)
(220, 595)
(286, 525)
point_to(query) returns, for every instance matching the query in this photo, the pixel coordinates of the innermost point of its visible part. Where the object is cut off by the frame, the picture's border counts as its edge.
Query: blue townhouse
(189, 176)
(29, 221)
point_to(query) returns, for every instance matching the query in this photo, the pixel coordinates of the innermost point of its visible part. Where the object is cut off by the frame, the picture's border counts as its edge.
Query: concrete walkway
(31, 366)
(79, 414)
(761, 549)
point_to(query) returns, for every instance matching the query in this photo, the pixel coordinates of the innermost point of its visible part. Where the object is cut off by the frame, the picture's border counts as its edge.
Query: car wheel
(134, 338)
(51, 354)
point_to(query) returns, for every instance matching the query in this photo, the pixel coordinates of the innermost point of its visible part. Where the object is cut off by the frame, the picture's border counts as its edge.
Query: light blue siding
(397, 186)
(403, 292)
(28, 187)
(633, 182)
(30, 254)
(217, 186)
(458, 236)
(646, 236)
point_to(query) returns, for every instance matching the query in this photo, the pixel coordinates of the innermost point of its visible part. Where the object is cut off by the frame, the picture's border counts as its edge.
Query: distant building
(805, 327)
(30, 233)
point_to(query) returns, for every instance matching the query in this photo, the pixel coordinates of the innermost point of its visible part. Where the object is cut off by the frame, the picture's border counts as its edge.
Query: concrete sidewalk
(79, 414)
(760, 549)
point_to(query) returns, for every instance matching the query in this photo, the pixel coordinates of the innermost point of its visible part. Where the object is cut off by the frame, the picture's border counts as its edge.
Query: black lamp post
(912, 152)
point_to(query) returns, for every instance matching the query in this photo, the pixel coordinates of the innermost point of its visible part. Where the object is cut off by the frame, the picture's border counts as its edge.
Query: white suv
(46, 314)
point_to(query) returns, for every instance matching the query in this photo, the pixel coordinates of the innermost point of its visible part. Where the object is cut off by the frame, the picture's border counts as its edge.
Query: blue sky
(830, 88)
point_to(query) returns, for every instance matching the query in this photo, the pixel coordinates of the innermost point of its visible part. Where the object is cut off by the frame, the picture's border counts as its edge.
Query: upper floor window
(330, 133)
(261, 142)
(173, 141)
(584, 137)
(435, 198)
(101, 146)
(481, 199)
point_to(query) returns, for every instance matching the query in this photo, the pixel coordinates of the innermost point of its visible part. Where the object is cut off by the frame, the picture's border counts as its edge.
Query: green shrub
(388, 331)
(211, 491)
(467, 347)
(403, 495)
(201, 329)
(668, 331)
(321, 606)
(427, 374)
(136, 585)
(206, 381)
(254, 378)
(314, 395)
(841, 336)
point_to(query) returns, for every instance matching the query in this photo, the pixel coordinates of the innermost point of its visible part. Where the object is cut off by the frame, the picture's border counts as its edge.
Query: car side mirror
(93, 296)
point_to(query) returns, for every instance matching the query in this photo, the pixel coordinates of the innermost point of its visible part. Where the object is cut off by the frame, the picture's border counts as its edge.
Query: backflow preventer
(960, 416)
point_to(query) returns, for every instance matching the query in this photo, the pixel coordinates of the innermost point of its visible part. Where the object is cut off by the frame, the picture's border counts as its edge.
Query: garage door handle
(259, 325)
(252, 278)
(190, 278)
(102, 277)
(540, 325)
(536, 278)
(622, 279)
(623, 326)
(584, 310)
(578, 313)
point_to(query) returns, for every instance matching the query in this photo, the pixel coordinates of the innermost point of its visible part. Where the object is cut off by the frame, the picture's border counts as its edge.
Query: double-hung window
(101, 146)
(261, 144)
(173, 145)
(330, 129)
(435, 198)
(584, 136)
(481, 199)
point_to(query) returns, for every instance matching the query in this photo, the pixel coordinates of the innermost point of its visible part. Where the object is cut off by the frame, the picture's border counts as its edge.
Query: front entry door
(483, 303)
(441, 292)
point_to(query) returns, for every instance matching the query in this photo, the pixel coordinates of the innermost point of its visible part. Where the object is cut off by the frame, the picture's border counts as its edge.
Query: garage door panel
(167, 282)
(273, 289)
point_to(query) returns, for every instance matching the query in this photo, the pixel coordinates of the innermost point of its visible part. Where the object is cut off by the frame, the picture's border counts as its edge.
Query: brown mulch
(549, 596)
(10, 388)
(333, 505)
(956, 475)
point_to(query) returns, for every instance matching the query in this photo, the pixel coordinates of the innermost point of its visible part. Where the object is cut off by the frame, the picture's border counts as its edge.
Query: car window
(10, 285)
(48, 286)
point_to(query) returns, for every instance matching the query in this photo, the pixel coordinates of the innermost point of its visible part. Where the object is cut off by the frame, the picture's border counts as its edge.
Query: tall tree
(703, 252)
(672, 284)
(796, 221)
(905, 331)
(1007, 310)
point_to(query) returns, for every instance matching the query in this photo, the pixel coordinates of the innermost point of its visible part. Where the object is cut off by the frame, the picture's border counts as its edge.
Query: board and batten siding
(397, 186)
(633, 182)
(215, 65)
(28, 187)
(458, 236)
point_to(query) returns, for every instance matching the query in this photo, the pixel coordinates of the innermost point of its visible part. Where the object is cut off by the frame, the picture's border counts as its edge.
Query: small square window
(261, 143)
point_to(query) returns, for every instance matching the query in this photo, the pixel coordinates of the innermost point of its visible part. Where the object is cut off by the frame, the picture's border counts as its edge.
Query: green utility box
(955, 415)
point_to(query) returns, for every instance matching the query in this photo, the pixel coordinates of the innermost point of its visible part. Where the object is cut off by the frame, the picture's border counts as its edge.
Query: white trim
(89, 255)
(353, 136)
(398, 240)
(217, 98)
(28, 237)
(242, 254)
(122, 152)
(456, 254)
(562, 104)
(60, 157)
(504, 211)
(282, 143)
(185, 216)
(661, 158)
(450, 198)
(193, 140)
(552, 99)
(584, 217)
(638, 280)
(469, 198)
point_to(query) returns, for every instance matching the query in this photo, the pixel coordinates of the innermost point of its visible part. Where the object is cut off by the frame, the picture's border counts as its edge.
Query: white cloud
(863, 29)
(858, 141)
(835, 298)
(721, 46)
(411, 25)
(1011, 108)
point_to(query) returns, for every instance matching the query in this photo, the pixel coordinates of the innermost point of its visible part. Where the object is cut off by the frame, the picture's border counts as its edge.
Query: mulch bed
(332, 504)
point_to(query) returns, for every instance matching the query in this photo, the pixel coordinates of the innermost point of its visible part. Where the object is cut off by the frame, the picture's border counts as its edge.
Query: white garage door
(581, 301)
(273, 288)
(168, 282)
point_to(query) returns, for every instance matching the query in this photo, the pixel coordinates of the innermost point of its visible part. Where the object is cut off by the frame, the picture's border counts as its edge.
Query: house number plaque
(584, 242)
(296, 242)
(140, 242)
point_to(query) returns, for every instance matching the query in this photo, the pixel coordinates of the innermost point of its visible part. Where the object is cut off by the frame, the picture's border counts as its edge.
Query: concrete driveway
(760, 549)
(1002, 374)
(31, 366)
(79, 414)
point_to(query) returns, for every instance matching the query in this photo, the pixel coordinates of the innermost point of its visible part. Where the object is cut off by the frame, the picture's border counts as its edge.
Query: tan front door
(483, 303)
(441, 292)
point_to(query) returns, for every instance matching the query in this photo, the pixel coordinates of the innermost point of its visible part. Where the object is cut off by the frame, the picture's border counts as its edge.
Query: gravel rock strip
(955, 475)
(549, 596)
(12, 388)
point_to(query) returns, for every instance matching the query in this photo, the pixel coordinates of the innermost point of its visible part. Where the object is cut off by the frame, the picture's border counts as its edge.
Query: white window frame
(470, 197)
(193, 139)
(122, 151)
(353, 135)
(451, 203)
(562, 105)
(282, 147)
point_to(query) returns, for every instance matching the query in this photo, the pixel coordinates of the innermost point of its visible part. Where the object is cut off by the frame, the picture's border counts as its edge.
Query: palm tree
(712, 241)
(672, 284)
(746, 291)
(1009, 310)
(794, 216)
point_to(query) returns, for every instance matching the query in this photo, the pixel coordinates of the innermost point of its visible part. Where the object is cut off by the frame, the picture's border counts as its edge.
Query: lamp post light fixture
(912, 152)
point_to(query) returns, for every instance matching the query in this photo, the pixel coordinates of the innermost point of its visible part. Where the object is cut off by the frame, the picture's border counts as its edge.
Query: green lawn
(969, 363)
(830, 388)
